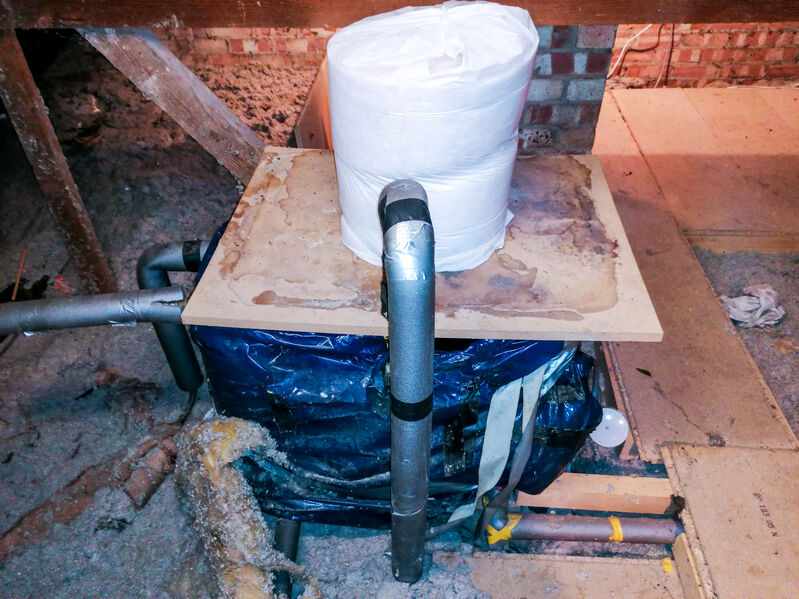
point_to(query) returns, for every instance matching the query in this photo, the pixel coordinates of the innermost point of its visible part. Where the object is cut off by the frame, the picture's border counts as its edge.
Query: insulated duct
(410, 286)
(151, 272)
(149, 305)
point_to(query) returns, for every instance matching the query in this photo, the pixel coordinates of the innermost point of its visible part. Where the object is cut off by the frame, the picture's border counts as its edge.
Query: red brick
(785, 38)
(225, 60)
(210, 46)
(236, 46)
(598, 62)
(780, 54)
(266, 46)
(280, 45)
(689, 71)
(706, 40)
(720, 55)
(782, 70)
(736, 70)
(320, 44)
(597, 36)
(562, 36)
(687, 55)
(300, 45)
(229, 32)
(768, 38)
(692, 40)
(562, 63)
(577, 138)
(589, 113)
(537, 114)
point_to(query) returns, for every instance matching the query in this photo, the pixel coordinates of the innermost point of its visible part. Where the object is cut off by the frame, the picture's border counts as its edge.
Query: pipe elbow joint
(407, 231)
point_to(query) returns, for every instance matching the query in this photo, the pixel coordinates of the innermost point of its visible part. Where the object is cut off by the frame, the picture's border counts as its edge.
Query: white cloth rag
(759, 307)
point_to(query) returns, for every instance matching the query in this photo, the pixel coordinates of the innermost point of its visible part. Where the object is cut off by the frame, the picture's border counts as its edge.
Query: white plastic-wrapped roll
(434, 94)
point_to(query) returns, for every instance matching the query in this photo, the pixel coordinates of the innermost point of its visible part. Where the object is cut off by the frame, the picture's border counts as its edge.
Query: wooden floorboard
(509, 576)
(785, 102)
(725, 162)
(741, 518)
(699, 385)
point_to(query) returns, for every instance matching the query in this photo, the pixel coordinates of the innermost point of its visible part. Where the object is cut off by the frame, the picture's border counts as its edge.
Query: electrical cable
(625, 47)
(667, 62)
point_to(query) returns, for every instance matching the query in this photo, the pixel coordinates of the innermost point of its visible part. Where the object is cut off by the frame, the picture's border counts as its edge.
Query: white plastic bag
(434, 94)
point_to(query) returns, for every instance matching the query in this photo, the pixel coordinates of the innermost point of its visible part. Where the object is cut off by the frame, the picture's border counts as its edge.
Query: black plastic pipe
(152, 271)
(554, 527)
(410, 285)
(149, 305)
(287, 539)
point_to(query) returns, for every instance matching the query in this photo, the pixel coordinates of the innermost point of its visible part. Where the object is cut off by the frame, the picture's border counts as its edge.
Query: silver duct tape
(407, 245)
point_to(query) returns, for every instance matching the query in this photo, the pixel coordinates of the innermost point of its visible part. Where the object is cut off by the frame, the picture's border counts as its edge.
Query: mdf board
(514, 576)
(741, 518)
(566, 271)
(727, 161)
(699, 385)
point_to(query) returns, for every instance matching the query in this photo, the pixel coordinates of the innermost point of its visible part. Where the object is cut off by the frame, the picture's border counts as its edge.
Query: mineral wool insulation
(434, 94)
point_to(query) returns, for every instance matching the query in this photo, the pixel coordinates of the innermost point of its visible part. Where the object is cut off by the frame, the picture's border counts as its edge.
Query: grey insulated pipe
(410, 282)
(150, 305)
(152, 271)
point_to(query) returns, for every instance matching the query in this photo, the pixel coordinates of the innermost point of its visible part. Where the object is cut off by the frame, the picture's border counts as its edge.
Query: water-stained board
(566, 270)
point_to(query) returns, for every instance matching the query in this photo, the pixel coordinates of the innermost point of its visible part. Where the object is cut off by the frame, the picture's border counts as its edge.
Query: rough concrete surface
(81, 409)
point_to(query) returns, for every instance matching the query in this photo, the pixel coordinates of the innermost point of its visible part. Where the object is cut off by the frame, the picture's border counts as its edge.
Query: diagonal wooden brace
(28, 114)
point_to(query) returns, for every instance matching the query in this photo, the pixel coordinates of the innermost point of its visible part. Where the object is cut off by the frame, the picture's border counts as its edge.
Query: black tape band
(191, 255)
(411, 411)
(402, 210)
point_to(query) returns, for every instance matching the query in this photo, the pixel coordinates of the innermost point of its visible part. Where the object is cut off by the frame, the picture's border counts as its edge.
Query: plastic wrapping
(434, 94)
(324, 400)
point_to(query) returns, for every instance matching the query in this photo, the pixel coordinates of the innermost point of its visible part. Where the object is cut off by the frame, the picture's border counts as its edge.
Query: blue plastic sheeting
(325, 402)
(324, 399)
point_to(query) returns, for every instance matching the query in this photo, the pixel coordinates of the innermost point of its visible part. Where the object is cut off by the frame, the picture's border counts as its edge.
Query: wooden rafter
(162, 78)
(28, 114)
(324, 13)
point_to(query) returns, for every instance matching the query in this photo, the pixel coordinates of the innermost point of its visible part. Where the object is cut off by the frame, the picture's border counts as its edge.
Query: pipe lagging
(410, 285)
(35, 316)
(152, 270)
(556, 527)
(286, 540)
(157, 260)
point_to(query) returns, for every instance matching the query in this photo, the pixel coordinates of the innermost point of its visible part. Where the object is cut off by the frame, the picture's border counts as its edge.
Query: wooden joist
(323, 13)
(28, 114)
(162, 78)
(602, 492)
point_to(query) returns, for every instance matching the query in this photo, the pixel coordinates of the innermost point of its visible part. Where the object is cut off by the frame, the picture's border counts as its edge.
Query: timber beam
(158, 14)
(28, 114)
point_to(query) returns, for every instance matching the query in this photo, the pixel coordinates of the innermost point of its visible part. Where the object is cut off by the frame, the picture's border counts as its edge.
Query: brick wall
(716, 54)
(566, 90)
(238, 45)
(562, 105)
